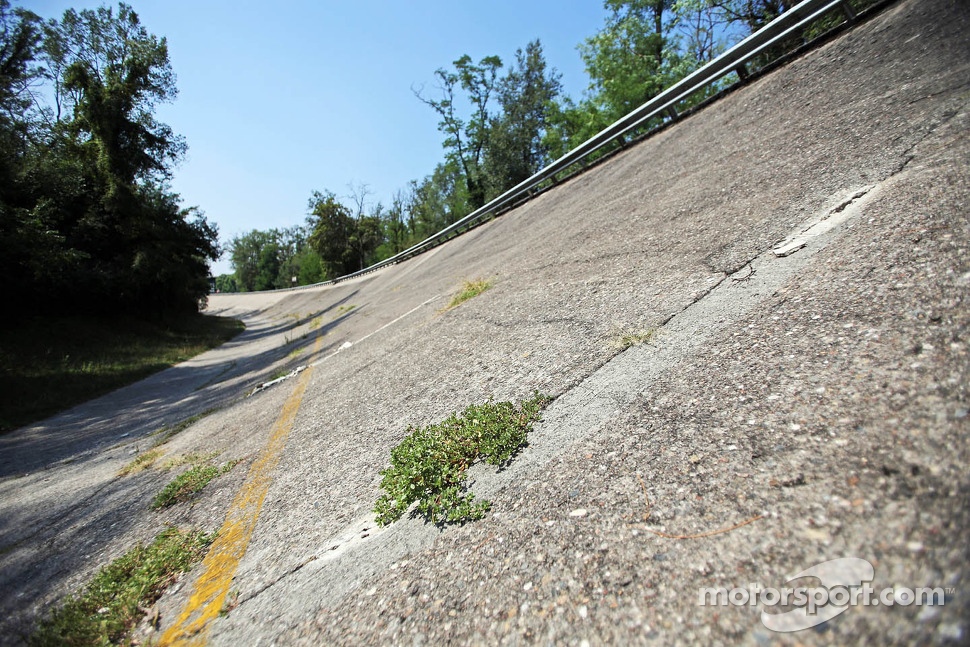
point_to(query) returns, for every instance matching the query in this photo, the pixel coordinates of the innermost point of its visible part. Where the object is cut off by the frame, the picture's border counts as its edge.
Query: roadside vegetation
(48, 364)
(89, 219)
(107, 610)
(429, 466)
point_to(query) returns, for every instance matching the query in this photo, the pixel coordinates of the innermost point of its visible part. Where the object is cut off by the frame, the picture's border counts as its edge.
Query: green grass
(109, 608)
(186, 485)
(429, 465)
(469, 289)
(53, 363)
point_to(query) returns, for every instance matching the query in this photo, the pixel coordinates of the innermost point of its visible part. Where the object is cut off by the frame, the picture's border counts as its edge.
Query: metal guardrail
(664, 104)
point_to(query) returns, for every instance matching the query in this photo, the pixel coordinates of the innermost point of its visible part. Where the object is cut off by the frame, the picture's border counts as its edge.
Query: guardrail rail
(664, 105)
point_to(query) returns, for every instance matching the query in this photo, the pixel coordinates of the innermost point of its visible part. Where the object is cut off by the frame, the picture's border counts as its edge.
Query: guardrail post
(849, 12)
(742, 71)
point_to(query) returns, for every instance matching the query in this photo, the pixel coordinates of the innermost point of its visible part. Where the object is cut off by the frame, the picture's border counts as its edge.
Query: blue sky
(279, 99)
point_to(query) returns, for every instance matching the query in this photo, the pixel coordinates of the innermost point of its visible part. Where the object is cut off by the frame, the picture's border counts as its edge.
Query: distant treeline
(87, 220)
(500, 125)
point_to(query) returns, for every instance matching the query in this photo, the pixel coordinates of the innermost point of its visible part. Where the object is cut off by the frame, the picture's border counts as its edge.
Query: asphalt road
(822, 396)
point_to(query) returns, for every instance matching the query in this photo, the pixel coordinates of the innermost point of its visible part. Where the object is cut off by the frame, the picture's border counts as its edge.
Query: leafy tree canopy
(87, 219)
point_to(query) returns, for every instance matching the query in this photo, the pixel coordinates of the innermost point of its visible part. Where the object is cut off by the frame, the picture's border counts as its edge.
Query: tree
(330, 224)
(633, 58)
(754, 14)
(702, 29)
(246, 256)
(114, 75)
(118, 75)
(86, 216)
(169, 267)
(20, 39)
(569, 124)
(394, 222)
(270, 260)
(28, 249)
(226, 283)
(366, 232)
(517, 148)
(467, 141)
(309, 267)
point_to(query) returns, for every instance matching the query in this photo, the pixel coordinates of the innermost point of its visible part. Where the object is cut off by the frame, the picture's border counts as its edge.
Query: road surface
(820, 396)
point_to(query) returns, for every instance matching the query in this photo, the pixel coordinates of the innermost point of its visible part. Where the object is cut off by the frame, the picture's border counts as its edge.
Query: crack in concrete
(703, 294)
(575, 415)
(243, 600)
(909, 155)
(933, 95)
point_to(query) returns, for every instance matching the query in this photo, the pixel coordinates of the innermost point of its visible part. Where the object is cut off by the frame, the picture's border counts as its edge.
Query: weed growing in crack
(429, 466)
(184, 486)
(342, 310)
(231, 602)
(108, 609)
(626, 340)
(469, 289)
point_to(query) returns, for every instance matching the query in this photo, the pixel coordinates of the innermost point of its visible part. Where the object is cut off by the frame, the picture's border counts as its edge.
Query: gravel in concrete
(826, 393)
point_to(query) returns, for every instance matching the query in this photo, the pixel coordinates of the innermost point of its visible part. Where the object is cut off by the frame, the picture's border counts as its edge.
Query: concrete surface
(824, 392)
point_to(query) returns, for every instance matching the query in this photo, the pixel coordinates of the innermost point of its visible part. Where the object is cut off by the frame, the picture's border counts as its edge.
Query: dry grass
(628, 338)
(469, 290)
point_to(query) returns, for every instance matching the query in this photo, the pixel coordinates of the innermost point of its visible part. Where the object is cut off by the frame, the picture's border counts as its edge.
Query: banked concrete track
(822, 394)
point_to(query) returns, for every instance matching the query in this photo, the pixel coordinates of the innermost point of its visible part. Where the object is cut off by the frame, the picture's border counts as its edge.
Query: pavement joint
(341, 562)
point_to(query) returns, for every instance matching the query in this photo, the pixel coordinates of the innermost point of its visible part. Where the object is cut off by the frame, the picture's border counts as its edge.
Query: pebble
(578, 512)
(950, 631)
(927, 614)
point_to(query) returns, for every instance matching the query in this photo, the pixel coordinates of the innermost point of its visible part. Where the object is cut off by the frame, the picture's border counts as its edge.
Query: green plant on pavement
(108, 608)
(429, 466)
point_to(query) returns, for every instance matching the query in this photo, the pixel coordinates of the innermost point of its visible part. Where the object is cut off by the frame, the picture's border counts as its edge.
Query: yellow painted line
(222, 560)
